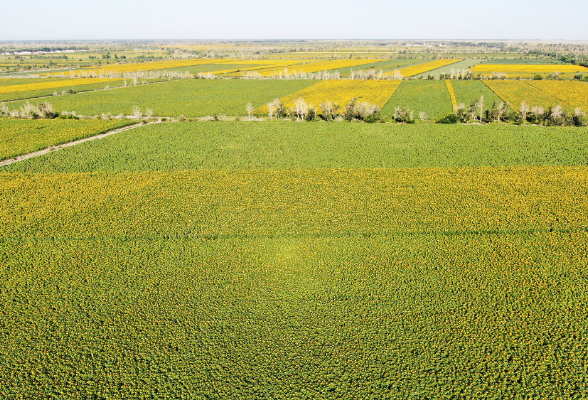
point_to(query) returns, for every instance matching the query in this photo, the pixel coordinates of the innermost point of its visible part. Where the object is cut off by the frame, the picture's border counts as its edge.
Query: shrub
(449, 119)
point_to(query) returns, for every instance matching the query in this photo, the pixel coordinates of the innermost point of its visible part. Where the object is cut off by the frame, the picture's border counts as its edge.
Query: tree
(301, 109)
(329, 110)
(481, 106)
(249, 108)
(524, 110)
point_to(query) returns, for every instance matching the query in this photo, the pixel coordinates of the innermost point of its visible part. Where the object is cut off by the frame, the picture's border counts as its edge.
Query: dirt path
(69, 144)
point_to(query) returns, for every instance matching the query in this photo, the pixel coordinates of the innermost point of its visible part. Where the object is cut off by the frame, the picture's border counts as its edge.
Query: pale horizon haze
(303, 19)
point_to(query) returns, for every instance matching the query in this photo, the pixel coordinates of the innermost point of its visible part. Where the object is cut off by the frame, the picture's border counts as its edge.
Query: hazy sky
(294, 19)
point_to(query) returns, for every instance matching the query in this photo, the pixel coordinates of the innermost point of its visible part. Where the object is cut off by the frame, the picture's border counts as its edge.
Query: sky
(294, 19)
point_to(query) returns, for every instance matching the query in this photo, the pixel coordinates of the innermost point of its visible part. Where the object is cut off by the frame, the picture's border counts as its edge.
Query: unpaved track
(69, 144)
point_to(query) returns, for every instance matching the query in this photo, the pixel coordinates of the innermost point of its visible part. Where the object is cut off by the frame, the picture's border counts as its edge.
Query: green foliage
(432, 97)
(469, 91)
(243, 145)
(26, 136)
(449, 119)
(190, 97)
(326, 283)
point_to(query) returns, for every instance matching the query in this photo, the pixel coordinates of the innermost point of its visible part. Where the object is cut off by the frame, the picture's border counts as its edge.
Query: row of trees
(327, 111)
(502, 112)
(30, 111)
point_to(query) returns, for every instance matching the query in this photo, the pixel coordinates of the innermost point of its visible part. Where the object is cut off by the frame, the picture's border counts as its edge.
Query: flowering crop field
(188, 97)
(51, 84)
(313, 66)
(298, 260)
(424, 67)
(528, 70)
(340, 283)
(572, 93)
(26, 136)
(340, 92)
(431, 97)
(515, 92)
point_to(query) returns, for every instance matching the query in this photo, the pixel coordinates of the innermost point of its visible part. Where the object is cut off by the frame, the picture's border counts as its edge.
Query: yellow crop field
(421, 68)
(258, 64)
(573, 93)
(451, 94)
(316, 66)
(52, 84)
(515, 92)
(511, 68)
(340, 92)
(527, 70)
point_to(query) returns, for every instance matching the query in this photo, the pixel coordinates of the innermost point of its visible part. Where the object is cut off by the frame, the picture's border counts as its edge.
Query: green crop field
(23, 81)
(431, 97)
(191, 97)
(246, 145)
(195, 69)
(387, 65)
(469, 91)
(460, 65)
(25, 136)
(31, 94)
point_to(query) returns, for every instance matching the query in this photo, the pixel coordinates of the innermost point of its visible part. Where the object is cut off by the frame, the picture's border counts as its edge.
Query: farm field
(311, 67)
(521, 61)
(345, 280)
(23, 81)
(572, 93)
(26, 136)
(432, 97)
(528, 70)
(50, 84)
(136, 67)
(191, 97)
(387, 65)
(515, 92)
(424, 67)
(195, 69)
(340, 92)
(452, 68)
(283, 145)
(76, 86)
(232, 258)
(468, 91)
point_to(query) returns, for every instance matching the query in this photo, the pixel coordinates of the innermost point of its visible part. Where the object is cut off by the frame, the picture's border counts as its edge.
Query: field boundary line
(451, 94)
(51, 149)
